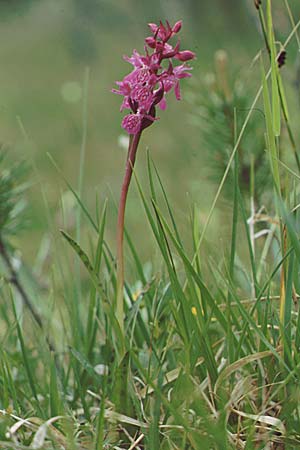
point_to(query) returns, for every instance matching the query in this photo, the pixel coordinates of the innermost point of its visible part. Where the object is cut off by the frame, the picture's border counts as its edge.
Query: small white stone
(101, 369)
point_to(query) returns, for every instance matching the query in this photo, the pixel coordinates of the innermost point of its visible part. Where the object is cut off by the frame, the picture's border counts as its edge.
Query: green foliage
(12, 201)
(9, 9)
(221, 105)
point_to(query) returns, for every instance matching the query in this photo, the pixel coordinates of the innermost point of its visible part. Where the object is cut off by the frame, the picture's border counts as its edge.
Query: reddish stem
(133, 145)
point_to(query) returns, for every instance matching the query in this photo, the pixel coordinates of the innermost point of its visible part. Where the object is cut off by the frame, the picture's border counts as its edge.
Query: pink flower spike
(147, 85)
(132, 123)
(185, 55)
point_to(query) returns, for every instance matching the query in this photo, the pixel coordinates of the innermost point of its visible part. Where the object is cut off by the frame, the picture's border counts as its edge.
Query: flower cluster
(146, 86)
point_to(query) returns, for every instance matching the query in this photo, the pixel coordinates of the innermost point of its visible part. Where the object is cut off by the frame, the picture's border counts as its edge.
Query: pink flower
(135, 123)
(143, 95)
(147, 85)
(132, 123)
(135, 59)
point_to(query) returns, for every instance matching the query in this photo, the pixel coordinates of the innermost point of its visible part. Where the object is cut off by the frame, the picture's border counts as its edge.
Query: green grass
(209, 358)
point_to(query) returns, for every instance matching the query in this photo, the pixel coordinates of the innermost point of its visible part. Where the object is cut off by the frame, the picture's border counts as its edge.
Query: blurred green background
(46, 46)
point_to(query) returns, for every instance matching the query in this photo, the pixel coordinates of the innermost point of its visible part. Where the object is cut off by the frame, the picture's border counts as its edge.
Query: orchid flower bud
(185, 55)
(177, 27)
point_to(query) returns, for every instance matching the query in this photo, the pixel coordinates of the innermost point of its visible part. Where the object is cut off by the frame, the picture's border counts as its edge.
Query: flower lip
(132, 123)
(143, 96)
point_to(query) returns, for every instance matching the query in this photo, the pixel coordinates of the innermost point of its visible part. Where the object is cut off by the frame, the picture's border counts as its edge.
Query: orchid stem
(132, 149)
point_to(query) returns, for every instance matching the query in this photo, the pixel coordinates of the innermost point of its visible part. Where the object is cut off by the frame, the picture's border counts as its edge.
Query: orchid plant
(153, 76)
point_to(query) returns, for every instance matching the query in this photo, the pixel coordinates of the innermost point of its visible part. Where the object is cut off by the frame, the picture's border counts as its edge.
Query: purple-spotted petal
(143, 96)
(132, 123)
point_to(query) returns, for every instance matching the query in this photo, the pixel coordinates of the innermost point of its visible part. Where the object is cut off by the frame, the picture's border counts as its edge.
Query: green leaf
(274, 72)
(271, 144)
(85, 260)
